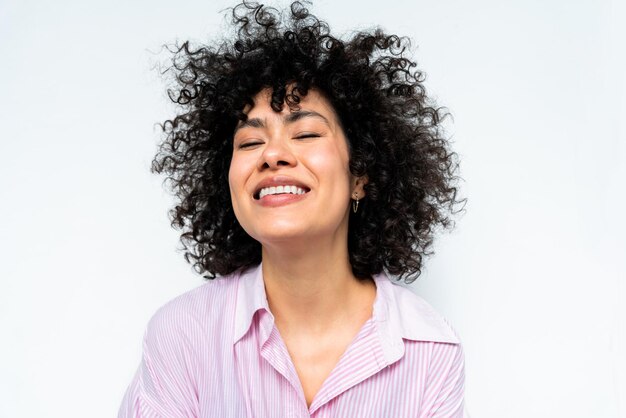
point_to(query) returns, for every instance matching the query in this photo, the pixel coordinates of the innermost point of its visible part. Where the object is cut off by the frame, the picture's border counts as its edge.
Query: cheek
(236, 180)
(332, 162)
(236, 172)
(231, 177)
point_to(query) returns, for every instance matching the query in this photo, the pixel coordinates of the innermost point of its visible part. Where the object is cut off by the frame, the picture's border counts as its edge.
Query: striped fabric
(215, 352)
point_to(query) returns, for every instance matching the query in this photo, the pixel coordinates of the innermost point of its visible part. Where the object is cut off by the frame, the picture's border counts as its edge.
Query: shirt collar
(250, 298)
(398, 312)
(406, 315)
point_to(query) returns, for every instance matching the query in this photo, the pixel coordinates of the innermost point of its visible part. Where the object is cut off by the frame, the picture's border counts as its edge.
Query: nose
(276, 154)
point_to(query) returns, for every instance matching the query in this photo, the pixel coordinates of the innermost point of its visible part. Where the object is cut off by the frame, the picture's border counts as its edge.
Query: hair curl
(393, 128)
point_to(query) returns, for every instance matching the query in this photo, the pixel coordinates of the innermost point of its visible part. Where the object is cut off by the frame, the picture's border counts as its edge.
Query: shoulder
(418, 320)
(205, 307)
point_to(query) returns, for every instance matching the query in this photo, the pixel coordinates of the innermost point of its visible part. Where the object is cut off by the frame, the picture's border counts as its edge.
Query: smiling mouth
(277, 190)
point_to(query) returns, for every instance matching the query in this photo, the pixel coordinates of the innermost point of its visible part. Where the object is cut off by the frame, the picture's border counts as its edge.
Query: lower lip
(280, 199)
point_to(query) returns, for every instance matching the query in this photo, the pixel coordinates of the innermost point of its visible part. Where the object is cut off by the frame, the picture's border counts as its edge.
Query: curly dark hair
(393, 128)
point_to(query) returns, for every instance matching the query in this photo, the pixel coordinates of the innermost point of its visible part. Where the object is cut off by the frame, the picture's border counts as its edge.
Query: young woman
(307, 168)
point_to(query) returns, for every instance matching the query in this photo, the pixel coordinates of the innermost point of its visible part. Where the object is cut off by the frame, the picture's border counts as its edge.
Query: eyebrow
(290, 118)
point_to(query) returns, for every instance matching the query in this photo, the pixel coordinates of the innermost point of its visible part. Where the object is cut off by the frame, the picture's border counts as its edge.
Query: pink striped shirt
(215, 352)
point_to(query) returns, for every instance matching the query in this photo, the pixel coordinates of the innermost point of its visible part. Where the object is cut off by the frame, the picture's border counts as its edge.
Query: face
(289, 176)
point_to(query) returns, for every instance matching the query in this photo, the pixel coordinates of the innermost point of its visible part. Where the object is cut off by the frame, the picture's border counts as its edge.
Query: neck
(312, 291)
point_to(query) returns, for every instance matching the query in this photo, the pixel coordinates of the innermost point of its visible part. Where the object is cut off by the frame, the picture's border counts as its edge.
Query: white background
(532, 278)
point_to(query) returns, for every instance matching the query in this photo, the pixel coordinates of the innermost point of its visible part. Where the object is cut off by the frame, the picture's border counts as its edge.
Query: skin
(318, 304)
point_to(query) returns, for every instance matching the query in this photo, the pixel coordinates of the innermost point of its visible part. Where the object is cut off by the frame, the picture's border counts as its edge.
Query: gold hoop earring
(355, 203)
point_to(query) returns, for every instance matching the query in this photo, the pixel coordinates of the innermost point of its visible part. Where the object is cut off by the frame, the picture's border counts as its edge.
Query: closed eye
(249, 145)
(307, 135)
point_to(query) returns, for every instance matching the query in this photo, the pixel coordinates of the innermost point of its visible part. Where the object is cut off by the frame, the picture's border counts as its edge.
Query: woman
(307, 168)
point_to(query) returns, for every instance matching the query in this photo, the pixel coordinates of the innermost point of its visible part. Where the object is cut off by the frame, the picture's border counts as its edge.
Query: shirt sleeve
(164, 384)
(448, 384)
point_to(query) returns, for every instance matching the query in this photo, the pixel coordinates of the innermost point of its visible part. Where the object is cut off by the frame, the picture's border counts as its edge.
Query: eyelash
(303, 136)
(310, 135)
(249, 144)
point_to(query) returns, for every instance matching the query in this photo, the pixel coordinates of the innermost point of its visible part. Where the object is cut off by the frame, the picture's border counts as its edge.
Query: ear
(358, 185)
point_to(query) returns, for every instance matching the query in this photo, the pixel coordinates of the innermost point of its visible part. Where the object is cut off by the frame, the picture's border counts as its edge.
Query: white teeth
(280, 190)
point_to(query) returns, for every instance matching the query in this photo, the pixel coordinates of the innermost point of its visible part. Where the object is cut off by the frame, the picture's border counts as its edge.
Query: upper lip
(275, 181)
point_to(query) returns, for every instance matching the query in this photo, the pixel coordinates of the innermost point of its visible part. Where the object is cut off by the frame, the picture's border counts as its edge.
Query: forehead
(314, 100)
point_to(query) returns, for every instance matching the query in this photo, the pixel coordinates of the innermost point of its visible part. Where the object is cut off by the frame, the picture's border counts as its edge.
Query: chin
(286, 233)
(278, 235)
